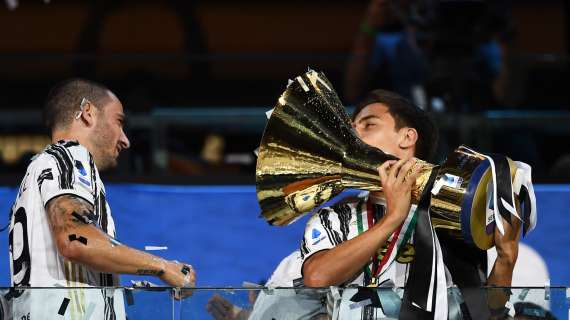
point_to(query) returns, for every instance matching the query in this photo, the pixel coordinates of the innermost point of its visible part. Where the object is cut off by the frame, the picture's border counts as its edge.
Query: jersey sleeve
(60, 173)
(322, 232)
(287, 272)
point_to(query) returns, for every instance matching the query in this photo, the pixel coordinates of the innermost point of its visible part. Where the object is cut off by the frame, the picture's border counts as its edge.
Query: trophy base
(461, 207)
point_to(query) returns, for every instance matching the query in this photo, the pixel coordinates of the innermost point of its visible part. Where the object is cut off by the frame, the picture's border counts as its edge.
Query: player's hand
(179, 275)
(222, 309)
(397, 178)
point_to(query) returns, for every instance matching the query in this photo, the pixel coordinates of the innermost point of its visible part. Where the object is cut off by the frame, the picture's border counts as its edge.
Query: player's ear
(87, 113)
(408, 137)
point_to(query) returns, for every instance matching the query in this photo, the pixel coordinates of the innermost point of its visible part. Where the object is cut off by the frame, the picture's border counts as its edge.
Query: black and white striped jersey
(333, 225)
(64, 168)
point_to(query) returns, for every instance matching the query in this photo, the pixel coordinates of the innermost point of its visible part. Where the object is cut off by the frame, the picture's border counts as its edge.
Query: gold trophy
(310, 153)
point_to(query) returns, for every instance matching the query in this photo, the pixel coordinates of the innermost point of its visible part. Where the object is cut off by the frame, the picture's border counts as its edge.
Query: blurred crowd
(448, 57)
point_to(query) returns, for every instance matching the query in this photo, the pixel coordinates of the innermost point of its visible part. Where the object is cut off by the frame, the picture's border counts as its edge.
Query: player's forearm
(502, 272)
(79, 240)
(97, 251)
(340, 264)
(501, 275)
(507, 247)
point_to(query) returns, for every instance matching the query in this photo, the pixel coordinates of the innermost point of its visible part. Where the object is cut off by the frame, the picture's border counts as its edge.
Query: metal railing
(476, 130)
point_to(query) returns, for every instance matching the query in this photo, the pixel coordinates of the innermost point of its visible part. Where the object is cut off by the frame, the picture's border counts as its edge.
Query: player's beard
(105, 146)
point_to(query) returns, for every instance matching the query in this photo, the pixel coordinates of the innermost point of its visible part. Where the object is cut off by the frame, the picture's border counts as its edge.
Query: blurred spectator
(440, 54)
(213, 157)
(213, 150)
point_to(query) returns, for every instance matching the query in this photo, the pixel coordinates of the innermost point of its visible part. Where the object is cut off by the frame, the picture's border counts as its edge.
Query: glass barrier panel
(272, 303)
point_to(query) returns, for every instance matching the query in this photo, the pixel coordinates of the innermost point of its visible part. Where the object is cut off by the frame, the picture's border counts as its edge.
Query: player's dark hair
(64, 100)
(405, 114)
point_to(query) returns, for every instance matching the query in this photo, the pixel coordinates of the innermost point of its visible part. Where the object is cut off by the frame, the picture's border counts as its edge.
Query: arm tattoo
(60, 212)
(148, 272)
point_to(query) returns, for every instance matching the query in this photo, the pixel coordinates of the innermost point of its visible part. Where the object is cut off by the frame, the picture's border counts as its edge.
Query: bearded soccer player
(62, 233)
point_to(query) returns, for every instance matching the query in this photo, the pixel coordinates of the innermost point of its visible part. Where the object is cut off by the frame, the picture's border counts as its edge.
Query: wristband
(186, 271)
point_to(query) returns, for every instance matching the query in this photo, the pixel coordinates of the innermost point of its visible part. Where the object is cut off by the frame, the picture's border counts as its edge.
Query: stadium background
(196, 78)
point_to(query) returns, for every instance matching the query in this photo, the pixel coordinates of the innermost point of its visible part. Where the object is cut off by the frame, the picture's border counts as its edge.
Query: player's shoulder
(324, 213)
(344, 205)
(66, 151)
(349, 202)
(64, 155)
(74, 148)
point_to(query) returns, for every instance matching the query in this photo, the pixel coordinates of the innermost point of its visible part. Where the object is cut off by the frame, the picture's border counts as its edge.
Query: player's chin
(109, 163)
(113, 158)
(113, 162)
